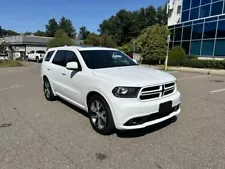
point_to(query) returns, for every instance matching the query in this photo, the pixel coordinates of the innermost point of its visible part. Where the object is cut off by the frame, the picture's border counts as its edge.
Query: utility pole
(167, 53)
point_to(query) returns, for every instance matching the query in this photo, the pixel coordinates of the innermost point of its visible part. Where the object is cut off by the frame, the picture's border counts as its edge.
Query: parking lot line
(11, 87)
(194, 77)
(216, 91)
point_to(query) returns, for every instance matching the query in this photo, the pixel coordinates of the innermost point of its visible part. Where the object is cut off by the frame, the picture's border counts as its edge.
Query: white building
(19, 46)
(174, 11)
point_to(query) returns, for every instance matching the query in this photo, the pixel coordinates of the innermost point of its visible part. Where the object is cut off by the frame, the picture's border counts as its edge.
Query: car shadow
(145, 131)
(82, 112)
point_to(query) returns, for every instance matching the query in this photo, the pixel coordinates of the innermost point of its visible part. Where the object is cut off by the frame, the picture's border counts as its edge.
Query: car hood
(134, 76)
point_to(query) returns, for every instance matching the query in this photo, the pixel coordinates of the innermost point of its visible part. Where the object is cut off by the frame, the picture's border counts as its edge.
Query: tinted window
(72, 57)
(197, 31)
(187, 33)
(195, 3)
(203, 2)
(186, 4)
(97, 59)
(60, 58)
(40, 51)
(186, 46)
(207, 47)
(217, 8)
(219, 48)
(49, 55)
(31, 52)
(185, 16)
(195, 47)
(221, 29)
(178, 9)
(210, 30)
(178, 32)
(204, 11)
(194, 13)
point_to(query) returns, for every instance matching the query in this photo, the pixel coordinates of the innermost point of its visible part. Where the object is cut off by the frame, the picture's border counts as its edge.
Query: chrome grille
(157, 91)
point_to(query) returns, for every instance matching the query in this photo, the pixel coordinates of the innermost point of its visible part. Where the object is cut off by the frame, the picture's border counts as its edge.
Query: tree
(60, 39)
(84, 32)
(154, 43)
(1, 32)
(51, 27)
(93, 39)
(3, 47)
(40, 33)
(67, 26)
(161, 15)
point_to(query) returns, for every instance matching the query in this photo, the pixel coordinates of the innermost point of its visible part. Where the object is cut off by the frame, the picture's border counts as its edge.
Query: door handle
(63, 73)
(48, 69)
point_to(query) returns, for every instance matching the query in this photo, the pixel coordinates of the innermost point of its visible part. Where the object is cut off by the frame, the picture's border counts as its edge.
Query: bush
(191, 57)
(212, 64)
(10, 63)
(176, 56)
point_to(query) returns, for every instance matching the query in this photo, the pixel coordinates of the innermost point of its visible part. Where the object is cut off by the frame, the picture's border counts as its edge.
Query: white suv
(36, 55)
(110, 87)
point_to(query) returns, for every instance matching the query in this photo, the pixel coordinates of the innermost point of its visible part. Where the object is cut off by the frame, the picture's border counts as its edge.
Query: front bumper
(125, 110)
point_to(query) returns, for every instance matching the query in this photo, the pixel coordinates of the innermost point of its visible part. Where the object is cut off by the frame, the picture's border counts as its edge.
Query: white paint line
(216, 91)
(194, 77)
(11, 87)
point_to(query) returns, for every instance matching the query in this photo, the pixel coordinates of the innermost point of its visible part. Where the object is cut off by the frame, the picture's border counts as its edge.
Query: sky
(33, 15)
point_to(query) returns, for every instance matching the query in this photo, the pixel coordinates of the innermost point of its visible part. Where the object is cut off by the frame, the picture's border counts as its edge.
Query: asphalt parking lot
(35, 133)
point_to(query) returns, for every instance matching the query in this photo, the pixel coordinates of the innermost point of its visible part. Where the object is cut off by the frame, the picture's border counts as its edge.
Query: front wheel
(100, 115)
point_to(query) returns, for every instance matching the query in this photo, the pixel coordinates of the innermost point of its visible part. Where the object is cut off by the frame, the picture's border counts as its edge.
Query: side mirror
(135, 61)
(72, 66)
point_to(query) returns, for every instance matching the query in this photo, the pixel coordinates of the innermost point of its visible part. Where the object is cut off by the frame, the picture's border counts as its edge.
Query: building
(198, 26)
(19, 46)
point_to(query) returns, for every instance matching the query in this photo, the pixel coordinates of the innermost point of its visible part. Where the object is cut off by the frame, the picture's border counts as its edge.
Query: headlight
(126, 92)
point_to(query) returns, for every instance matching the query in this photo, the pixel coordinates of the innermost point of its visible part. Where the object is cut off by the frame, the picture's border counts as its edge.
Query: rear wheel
(48, 90)
(100, 115)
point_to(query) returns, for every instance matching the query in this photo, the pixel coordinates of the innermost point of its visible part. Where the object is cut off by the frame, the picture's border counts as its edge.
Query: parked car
(4, 57)
(110, 87)
(36, 55)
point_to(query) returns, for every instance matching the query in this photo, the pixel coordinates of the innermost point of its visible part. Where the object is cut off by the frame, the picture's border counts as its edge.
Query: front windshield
(97, 59)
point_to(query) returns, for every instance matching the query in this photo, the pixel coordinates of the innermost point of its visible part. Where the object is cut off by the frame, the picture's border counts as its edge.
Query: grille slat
(154, 92)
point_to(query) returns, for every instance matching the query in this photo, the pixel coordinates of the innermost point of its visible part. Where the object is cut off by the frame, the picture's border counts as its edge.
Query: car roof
(81, 48)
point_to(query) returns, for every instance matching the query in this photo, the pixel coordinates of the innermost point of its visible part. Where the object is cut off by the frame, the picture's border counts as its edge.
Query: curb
(192, 70)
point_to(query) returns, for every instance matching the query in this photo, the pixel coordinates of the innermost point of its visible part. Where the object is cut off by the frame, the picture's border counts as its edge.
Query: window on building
(49, 55)
(203, 2)
(187, 33)
(185, 16)
(176, 44)
(171, 45)
(60, 58)
(171, 34)
(195, 3)
(194, 13)
(219, 48)
(178, 9)
(186, 46)
(215, 0)
(210, 30)
(217, 8)
(204, 12)
(207, 48)
(178, 32)
(186, 4)
(221, 29)
(197, 31)
(195, 48)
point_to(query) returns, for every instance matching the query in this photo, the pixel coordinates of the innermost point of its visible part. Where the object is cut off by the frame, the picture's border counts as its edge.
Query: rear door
(58, 72)
(31, 55)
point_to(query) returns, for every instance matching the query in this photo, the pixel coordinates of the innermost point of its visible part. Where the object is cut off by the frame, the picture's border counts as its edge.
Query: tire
(48, 90)
(100, 116)
(37, 60)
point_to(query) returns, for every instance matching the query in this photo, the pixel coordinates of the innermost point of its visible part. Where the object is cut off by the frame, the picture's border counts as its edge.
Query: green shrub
(191, 57)
(212, 64)
(176, 56)
(10, 63)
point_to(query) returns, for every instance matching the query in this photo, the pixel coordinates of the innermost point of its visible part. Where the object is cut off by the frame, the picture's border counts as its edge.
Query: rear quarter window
(49, 55)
